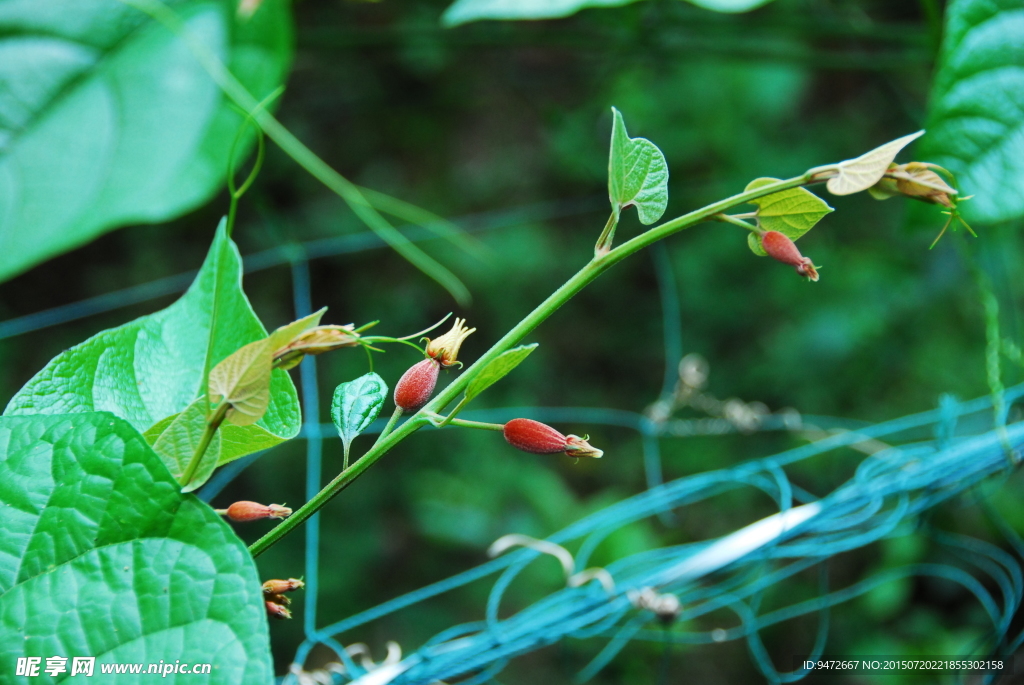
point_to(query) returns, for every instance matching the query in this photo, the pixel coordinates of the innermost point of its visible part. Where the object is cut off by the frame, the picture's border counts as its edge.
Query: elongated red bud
(539, 438)
(780, 247)
(275, 610)
(276, 587)
(416, 385)
(254, 511)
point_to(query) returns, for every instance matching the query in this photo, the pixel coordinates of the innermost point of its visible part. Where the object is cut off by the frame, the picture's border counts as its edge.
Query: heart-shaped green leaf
(855, 175)
(102, 556)
(356, 404)
(976, 117)
(154, 367)
(637, 174)
(791, 212)
(498, 369)
(110, 113)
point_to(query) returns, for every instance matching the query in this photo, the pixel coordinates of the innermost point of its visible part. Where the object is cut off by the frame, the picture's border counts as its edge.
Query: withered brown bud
(316, 340)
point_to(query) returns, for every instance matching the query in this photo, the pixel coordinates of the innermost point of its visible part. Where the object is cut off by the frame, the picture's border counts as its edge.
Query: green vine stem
(575, 284)
(204, 442)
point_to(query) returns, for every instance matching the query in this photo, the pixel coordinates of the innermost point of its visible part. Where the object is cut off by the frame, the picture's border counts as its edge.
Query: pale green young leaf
(243, 381)
(154, 367)
(356, 404)
(754, 243)
(111, 560)
(287, 333)
(976, 113)
(637, 174)
(791, 212)
(179, 439)
(106, 118)
(498, 369)
(855, 175)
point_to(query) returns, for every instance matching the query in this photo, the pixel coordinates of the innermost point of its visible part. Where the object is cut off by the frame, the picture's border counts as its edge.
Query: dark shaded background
(507, 126)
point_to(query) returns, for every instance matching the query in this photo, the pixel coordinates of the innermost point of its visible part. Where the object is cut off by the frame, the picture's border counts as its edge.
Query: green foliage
(107, 119)
(637, 174)
(150, 369)
(465, 11)
(356, 404)
(976, 116)
(103, 556)
(498, 369)
(792, 212)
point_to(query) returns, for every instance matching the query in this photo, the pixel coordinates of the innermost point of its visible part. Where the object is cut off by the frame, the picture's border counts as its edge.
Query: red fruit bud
(254, 511)
(539, 438)
(534, 437)
(275, 610)
(276, 587)
(783, 249)
(416, 385)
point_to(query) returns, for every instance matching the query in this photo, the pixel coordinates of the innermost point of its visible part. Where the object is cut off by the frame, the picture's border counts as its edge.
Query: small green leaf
(243, 381)
(976, 113)
(855, 175)
(103, 556)
(754, 242)
(177, 442)
(106, 110)
(637, 174)
(356, 404)
(791, 212)
(151, 369)
(498, 369)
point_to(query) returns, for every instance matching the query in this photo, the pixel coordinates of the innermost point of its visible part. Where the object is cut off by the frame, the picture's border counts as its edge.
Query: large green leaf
(976, 117)
(464, 11)
(103, 557)
(154, 367)
(107, 119)
(637, 174)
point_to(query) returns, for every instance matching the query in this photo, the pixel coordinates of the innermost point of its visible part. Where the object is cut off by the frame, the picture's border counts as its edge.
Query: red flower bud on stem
(276, 587)
(783, 249)
(254, 511)
(539, 438)
(275, 610)
(416, 385)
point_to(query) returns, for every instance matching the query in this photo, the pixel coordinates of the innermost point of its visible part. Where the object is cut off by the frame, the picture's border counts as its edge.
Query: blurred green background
(505, 126)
